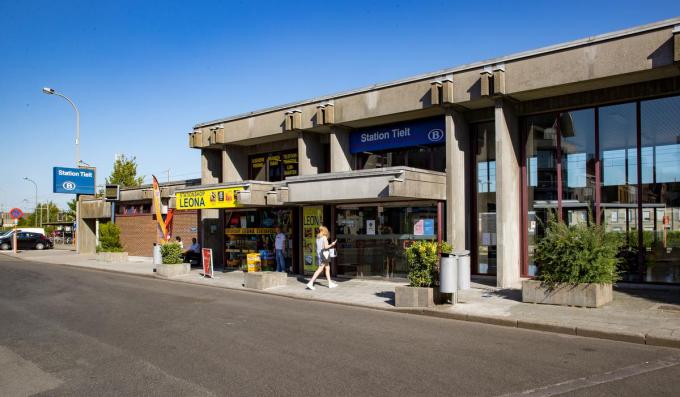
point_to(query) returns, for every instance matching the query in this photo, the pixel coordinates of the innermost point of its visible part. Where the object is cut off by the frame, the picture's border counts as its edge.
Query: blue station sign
(73, 180)
(412, 133)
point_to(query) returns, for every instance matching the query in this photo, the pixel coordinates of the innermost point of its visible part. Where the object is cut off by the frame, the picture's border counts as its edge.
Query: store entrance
(250, 231)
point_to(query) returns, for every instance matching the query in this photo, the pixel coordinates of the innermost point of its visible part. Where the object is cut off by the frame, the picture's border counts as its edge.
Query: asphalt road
(67, 331)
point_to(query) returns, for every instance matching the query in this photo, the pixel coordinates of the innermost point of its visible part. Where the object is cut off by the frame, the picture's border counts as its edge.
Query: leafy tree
(71, 212)
(125, 173)
(49, 212)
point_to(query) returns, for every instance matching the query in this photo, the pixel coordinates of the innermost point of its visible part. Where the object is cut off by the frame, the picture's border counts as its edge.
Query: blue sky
(143, 73)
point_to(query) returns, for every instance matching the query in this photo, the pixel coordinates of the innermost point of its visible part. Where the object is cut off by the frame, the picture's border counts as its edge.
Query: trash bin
(463, 259)
(253, 262)
(448, 274)
(157, 257)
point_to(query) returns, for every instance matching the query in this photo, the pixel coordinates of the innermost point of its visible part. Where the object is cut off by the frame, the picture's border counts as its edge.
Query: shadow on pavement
(510, 294)
(387, 294)
(668, 296)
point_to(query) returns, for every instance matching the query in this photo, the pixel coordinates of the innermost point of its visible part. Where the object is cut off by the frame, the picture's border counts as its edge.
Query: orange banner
(157, 208)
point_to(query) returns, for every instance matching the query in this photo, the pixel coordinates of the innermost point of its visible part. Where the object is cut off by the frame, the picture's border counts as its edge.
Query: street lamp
(36, 201)
(51, 91)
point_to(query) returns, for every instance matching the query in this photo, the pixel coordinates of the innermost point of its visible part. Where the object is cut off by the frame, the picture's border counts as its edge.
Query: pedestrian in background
(178, 240)
(280, 250)
(323, 257)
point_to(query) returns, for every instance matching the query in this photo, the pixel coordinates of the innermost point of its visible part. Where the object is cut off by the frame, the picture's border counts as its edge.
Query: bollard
(157, 257)
(448, 278)
(463, 259)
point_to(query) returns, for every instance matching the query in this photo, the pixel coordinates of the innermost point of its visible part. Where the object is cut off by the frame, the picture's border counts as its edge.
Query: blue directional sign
(73, 180)
(411, 133)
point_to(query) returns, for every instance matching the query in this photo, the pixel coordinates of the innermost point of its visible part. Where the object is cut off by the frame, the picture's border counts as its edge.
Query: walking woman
(323, 257)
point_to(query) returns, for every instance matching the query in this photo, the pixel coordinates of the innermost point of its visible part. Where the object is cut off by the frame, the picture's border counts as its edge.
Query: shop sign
(250, 230)
(413, 133)
(312, 219)
(207, 199)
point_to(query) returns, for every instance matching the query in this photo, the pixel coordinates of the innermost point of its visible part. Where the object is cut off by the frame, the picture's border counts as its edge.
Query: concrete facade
(640, 62)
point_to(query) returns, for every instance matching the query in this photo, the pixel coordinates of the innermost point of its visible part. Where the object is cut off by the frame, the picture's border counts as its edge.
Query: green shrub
(171, 253)
(422, 261)
(109, 238)
(577, 254)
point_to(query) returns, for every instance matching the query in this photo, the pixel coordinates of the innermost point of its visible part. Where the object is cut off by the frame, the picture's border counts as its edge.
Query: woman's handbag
(332, 252)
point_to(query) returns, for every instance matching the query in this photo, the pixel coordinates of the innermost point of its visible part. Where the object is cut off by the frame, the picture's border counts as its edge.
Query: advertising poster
(312, 218)
(419, 227)
(370, 227)
(207, 262)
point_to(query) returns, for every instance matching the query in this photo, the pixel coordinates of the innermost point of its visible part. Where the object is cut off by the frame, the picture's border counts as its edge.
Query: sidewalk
(637, 315)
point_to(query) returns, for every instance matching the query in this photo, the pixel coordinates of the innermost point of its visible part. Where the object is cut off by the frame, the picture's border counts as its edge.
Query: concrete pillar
(212, 232)
(457, 181)
(341, 158)
(310, 153)
(508, 203)
(211, 166)
(234, 164)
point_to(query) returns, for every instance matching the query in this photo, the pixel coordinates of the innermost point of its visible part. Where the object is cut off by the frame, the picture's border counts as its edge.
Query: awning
(381, 184)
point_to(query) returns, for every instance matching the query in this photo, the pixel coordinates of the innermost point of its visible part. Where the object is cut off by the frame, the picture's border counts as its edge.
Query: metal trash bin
(157, 257)
(448, 274)
(463, 268)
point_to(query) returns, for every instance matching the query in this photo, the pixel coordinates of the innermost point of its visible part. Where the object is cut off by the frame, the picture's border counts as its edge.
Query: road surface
(66, 331)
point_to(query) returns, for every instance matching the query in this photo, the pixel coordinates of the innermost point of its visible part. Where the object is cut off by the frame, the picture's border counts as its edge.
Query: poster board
(312, 219)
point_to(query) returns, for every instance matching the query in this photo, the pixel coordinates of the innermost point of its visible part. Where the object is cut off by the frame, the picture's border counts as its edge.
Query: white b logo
(435, 135)
(68, 185)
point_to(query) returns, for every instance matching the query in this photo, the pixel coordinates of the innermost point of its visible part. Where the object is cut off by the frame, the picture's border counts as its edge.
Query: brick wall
(139, 232)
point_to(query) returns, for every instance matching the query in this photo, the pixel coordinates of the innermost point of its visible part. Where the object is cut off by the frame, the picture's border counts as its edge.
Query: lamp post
(36, 201)
(51, 91)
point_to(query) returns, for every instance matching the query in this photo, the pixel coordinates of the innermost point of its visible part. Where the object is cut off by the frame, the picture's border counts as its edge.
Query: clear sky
(144, 72)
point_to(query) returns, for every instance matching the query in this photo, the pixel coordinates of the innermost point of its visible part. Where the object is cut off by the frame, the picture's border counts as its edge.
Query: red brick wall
(139, 232)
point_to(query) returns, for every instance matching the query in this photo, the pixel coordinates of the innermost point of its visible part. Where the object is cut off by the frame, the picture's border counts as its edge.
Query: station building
(477, 155)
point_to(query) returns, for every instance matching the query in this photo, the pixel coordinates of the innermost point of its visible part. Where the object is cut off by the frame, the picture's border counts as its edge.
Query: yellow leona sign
(207, 199)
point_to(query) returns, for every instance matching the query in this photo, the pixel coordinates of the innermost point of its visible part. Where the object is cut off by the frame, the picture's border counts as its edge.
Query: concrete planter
(265, 280)
(584, 295)
(405, 296)
(112, 256)
(174, 270)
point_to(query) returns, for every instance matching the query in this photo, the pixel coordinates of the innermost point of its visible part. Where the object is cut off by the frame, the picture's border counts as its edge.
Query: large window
(371, 238)
(423, 157)
(660, 195)
(485, 160)
(273, 167)
(620, 163)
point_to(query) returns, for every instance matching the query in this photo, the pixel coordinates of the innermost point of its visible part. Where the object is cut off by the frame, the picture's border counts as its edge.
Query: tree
(125, 173)
(71, 212)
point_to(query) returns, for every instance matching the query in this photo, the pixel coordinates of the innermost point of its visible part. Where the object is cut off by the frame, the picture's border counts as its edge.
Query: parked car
(25, 241)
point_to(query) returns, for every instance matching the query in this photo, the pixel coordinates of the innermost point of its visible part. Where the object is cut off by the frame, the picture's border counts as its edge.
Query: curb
(660, 337)
(82, 267)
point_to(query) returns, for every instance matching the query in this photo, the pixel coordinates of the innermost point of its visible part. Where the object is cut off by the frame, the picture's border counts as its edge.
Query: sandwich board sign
(207, 260)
